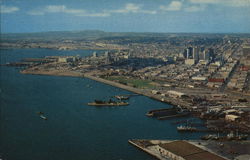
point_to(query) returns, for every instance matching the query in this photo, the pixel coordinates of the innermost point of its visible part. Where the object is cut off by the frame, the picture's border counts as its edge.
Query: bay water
(73, 131)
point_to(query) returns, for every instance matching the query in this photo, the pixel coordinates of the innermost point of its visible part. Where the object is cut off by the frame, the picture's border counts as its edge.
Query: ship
(186, 128)
(178, 114)
(230, 136)
(167, 113)
(210, 136)
(108, 103)
(237, 136)
(161, 112)
(119, 97)
(41, 115)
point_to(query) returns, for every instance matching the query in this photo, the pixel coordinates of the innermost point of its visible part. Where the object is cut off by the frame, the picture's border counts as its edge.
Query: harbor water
(73, 130)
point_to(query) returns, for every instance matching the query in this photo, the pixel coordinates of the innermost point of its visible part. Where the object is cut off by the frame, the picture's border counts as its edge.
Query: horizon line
(86, 30)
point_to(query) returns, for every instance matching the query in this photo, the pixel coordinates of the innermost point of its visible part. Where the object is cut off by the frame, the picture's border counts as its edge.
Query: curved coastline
(143, 92)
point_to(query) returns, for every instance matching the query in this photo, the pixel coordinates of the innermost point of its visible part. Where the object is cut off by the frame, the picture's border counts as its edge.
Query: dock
(193, 149)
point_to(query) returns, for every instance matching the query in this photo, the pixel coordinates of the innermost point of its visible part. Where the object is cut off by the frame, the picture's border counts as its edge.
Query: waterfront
(73, 129)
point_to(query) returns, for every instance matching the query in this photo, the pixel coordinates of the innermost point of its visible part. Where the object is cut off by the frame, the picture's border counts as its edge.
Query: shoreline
(169, 101)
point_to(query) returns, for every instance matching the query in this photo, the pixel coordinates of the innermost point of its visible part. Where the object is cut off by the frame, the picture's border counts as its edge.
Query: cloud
(205, 1)
(128, 8)
(8, 9)
(239, 3)
(194, 8)
(35, 13)
(65, 9)
(55, 8)
(173, 6)
(131, 8)
(231, 3)
(94, 15)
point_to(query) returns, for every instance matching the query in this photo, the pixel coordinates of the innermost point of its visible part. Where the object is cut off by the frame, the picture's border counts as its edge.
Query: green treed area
(137, 83)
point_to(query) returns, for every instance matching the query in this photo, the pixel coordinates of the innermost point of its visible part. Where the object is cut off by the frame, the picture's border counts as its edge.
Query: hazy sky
(126, 15)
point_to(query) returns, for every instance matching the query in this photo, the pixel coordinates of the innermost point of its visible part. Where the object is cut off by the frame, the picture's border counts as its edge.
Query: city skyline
(200, 16)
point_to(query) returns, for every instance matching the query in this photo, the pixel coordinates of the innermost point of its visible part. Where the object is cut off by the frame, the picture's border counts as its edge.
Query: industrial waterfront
(73, 129)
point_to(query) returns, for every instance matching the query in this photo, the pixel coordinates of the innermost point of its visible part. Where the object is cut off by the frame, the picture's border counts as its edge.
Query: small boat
(41, 114)
(186, 128)
(43, 117)
(211, 137)
(122, 97)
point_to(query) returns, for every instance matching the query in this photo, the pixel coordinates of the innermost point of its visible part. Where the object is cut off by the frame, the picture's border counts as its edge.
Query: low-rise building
(199, 78)
(66, 59)
(183, 150)
(189, 61)
(175, 94)
(231, 117)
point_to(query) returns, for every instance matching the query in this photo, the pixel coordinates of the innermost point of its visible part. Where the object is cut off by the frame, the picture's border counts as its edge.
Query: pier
(180, 149)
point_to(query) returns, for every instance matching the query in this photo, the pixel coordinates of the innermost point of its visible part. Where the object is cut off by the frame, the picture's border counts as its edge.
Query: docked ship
(161, 112)
(119, 97)
(108, 103)
(232, 136)
(229, 136)
(186, 128)
(210, 137)
(167, 113)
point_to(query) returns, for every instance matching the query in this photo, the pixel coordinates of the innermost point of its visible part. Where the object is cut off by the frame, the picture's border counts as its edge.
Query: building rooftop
(189, 151)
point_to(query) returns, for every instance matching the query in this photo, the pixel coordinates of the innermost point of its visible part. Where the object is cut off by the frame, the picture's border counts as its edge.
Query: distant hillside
(55, 35)
(101, 35)
(87, 34)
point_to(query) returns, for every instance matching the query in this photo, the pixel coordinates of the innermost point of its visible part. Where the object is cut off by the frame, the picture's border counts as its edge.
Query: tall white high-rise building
(195, 53)
(94, 55)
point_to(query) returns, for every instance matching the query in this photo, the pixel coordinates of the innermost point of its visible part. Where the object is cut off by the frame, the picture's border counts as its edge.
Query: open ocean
(73, 131)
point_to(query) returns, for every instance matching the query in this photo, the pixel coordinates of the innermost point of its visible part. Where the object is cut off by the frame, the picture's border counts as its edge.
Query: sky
(199, 16)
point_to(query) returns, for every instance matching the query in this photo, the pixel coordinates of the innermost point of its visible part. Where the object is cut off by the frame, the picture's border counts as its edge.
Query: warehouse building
(182, 150)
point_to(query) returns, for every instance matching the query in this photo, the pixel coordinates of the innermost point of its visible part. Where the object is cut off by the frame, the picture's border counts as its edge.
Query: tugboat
(107, 103)
(41, 114)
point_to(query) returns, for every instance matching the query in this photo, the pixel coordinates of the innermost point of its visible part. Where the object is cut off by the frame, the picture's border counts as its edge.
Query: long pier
(143, 92)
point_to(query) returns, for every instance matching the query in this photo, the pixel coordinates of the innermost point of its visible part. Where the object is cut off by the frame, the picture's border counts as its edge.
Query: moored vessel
(186, 128)
(108, 103)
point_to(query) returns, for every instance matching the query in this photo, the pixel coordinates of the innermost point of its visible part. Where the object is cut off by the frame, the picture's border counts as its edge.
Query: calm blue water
(73, 129)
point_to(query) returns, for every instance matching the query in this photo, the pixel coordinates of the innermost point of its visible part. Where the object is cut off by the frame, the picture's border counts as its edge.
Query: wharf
(193, 149)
